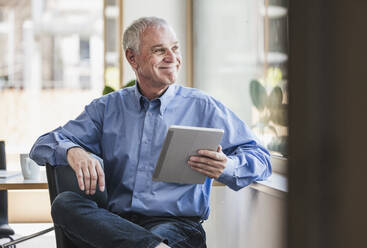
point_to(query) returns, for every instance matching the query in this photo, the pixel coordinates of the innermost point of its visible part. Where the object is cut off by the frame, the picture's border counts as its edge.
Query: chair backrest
(60, 179)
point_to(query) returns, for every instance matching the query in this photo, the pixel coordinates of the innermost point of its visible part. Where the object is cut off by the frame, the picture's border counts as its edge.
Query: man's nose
(170, 56)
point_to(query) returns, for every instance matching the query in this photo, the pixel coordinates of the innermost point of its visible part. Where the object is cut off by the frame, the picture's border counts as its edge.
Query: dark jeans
(87, 225)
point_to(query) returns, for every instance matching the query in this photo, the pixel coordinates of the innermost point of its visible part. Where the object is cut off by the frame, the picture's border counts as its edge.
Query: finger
(212, 154)
(79, 176)
(93, 177)
(101, 180)
(219, 149)
(86, 178)
(218, 168)
(202, 166)
(208, 171)
(208, 162)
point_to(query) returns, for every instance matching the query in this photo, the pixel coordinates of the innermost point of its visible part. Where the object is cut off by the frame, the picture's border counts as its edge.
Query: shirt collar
(167, 97)
(138, 97)
(164, 99)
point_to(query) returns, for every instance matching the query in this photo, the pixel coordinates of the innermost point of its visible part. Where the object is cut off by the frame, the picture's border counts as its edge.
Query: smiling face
(157, 63)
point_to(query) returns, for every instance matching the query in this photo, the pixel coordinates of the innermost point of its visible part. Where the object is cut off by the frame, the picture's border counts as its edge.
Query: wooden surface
(29, 206)
(19, 183)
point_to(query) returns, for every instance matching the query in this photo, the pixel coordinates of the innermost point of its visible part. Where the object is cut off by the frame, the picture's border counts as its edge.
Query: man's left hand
(209, 163)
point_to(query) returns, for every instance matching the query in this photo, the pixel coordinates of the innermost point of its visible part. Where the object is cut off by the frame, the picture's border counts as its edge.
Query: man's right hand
(87, 169)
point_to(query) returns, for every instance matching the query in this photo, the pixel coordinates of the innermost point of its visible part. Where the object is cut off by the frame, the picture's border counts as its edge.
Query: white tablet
(182, 142)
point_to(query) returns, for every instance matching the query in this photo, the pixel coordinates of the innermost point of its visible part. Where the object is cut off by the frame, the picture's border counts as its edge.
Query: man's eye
(175, 48)
(159, 51)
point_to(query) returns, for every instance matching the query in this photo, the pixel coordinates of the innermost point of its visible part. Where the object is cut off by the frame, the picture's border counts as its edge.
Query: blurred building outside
(52, 65)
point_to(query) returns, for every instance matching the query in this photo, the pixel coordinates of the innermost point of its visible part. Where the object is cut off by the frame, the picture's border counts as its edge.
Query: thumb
(219, 149)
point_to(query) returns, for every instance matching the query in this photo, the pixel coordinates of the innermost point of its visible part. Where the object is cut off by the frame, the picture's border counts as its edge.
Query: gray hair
(131, 37)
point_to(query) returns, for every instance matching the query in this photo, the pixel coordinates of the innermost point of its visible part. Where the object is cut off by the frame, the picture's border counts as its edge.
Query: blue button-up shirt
(127, 131)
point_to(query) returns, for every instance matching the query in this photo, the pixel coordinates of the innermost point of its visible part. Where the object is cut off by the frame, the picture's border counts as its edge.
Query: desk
(19, 183)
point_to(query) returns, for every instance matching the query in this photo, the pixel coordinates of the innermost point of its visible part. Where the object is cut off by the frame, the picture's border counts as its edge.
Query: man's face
(159, 59)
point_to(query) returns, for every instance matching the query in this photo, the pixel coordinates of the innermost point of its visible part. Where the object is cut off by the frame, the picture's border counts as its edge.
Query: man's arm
(68, 145)
(247, 164)
(242, 160)
(235, 171)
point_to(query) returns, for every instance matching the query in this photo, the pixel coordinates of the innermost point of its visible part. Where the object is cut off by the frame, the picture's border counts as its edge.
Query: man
(127, 129)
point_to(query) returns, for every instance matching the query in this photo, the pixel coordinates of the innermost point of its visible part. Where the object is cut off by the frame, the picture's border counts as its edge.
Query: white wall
(247, 218)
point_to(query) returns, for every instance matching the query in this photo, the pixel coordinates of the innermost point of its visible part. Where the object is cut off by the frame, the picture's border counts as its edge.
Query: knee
(63, 205)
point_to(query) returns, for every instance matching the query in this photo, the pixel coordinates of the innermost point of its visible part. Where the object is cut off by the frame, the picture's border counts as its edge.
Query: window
(240, 57)
(52, 65)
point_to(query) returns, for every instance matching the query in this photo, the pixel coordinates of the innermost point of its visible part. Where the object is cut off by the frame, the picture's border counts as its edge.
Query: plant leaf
(279, 115)
(279, 144)
(273, 129)
(258, 94)
(275, 99)
(130, 83)
(107, 89)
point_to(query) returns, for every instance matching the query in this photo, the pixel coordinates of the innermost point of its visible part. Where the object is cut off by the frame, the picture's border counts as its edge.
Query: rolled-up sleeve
(248, 161)
(84, 131)
(245, 167)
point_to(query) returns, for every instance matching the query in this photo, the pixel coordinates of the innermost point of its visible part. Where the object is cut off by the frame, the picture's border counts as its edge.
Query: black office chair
(60, 179)
(5, 230)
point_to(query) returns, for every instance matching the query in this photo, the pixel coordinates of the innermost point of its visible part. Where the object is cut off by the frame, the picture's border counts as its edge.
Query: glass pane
(52, 65)
(240, 57)
(112, 44)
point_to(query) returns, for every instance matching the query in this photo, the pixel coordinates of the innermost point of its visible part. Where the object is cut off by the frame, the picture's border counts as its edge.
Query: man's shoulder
(192, 93)
(115, 95)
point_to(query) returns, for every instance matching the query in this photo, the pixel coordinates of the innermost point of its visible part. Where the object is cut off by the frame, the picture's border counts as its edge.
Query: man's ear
(131, 58)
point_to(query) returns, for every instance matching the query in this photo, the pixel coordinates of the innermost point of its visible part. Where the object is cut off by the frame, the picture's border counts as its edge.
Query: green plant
(272, 112)
(108, 89)
(270, 106)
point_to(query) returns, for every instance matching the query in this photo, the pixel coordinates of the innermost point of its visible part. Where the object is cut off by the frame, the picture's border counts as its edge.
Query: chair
(5, 230)
(60, 179)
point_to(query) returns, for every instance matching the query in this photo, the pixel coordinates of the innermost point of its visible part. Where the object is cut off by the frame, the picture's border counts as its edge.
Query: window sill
(279, 164)
(275, 185)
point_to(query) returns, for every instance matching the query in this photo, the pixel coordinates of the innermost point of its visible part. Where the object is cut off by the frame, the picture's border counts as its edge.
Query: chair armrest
(62, 178)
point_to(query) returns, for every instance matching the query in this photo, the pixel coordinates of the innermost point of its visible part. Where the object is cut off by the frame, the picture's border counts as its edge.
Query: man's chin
(165, 80)
(170, 76)
(169, 81)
